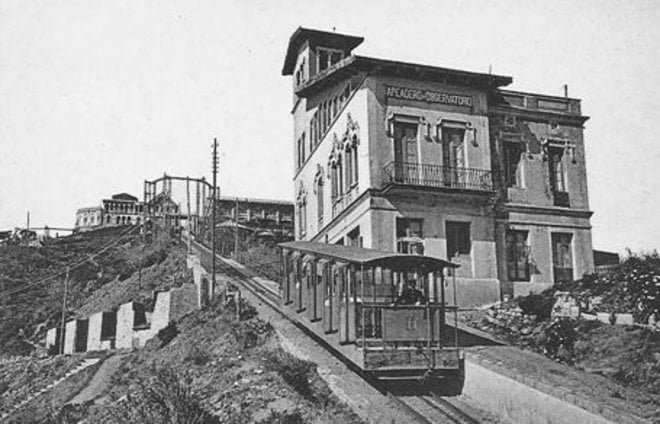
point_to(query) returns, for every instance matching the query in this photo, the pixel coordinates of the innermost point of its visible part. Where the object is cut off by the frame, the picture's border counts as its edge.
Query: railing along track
(440, 407)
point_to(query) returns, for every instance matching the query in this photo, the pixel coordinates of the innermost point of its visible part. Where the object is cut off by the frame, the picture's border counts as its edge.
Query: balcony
(342, 202)
(427, 175)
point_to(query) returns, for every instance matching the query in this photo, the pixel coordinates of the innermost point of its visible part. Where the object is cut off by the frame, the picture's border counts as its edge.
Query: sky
(97, 96)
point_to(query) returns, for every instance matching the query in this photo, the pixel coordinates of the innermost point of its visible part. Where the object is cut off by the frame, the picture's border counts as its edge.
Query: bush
(293, 370)
(286, 417)
(632, 286)
(165, 335)
(198, 355)
(162, 397)
(558, 340)
(245, 336)
(539, 305)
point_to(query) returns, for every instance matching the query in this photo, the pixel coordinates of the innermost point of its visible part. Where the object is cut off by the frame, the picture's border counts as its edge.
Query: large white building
(416, 158)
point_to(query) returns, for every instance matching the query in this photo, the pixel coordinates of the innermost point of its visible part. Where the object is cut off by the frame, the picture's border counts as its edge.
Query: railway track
(424, 406)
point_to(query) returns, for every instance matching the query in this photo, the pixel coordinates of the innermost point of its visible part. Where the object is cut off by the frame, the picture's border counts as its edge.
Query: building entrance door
(405, 153)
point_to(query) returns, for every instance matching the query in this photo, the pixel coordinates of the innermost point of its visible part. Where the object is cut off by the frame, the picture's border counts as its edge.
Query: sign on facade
(427, 96)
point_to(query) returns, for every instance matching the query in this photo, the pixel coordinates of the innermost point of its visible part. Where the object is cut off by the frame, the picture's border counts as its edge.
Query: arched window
(322, 117)
(333, 182)
(318, 186)
(354, 151)
(301, 202)
(328, 114)
(340, 178)
(348, 177)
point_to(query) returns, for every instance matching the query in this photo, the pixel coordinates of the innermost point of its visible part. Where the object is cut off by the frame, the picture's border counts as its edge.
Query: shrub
(293, 370)
(162, 397)
(198, 355)
(558, 340)
(245, 336)
(165, 335)
(285, 417)
(537, 304)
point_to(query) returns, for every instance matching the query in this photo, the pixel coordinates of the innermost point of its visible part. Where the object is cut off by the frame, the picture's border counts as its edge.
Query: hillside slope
(107, 267)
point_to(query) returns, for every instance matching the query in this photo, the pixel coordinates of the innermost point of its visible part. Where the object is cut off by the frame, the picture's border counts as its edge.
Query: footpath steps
(83, 365)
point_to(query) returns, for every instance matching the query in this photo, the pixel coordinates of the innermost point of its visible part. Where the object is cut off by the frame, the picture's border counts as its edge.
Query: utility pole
(188, 204)
(66, 293)
(213, 199)
(236, 231)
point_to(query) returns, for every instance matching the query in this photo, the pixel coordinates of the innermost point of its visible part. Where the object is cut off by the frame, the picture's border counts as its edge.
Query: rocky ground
(208, 367)
(107, 267)
(214, 369)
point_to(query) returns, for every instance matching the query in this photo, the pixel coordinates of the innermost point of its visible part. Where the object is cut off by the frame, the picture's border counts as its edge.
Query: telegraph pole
(66, 293)
(213, 200)
(236, 232)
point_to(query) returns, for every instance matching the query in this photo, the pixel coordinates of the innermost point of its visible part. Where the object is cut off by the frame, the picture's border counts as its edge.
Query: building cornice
(547, 210)
(538, 115)
(354, 64)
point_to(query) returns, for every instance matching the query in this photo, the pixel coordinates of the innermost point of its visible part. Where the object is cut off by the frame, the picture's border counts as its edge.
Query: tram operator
(411, 295)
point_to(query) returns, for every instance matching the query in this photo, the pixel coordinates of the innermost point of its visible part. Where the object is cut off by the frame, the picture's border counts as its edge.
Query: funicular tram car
(383, 311)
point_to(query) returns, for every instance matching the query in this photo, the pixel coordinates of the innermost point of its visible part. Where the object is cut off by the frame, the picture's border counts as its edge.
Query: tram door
(347, 306)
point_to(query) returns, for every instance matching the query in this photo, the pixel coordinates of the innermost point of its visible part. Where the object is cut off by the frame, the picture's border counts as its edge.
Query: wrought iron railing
(437, 176)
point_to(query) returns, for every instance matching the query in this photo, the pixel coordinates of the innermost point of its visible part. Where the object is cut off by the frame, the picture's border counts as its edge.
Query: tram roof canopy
(370, 257)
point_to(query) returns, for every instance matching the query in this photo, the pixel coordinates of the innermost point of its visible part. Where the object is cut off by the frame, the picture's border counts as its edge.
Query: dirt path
(100, 381)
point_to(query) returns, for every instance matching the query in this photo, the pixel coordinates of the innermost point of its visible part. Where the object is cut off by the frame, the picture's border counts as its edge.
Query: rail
(429, 175)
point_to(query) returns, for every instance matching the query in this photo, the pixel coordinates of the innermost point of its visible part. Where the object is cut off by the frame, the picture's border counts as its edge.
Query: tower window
(328, 57)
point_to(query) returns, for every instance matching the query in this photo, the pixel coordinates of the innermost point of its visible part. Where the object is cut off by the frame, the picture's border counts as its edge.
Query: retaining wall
(70, 336)
(519, 403)
(51, 337)
(131, 325)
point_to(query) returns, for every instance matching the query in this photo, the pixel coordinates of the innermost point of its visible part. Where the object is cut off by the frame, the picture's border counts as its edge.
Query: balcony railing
(342, 202)
(428, 175)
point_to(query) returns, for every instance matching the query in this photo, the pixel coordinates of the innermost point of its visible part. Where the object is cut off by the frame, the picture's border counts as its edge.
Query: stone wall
(130, 326)
(70, 336)
(125, 319)
(51, 337)
(94, 336)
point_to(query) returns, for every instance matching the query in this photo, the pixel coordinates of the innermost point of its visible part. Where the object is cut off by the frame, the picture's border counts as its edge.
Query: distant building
(261, 215)
(89, 218)
(164, 209)
(443, 162)
(606, 261)
(122, 209)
